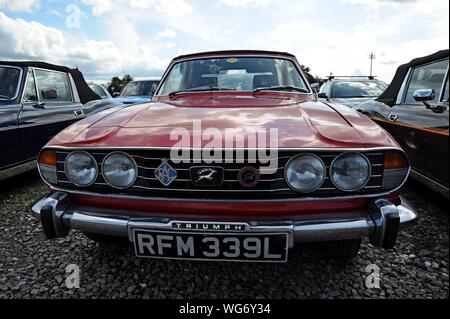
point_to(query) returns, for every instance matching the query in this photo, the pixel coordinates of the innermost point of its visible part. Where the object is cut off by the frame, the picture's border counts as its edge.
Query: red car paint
(301, 120)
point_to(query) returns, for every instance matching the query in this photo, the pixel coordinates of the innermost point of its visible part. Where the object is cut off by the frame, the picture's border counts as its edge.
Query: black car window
(53, 86)
(138, 88)
(9, 81)
(354, 89)
(430, 76)
(30, 93)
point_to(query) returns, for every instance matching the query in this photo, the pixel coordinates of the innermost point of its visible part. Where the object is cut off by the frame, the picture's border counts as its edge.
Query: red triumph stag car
(235, 159)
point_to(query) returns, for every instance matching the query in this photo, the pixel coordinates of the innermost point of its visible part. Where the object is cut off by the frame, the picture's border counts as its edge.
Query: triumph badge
(165, 173)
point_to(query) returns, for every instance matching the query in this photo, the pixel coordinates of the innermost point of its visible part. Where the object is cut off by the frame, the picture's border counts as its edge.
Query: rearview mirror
(153, 89)
(50, 94)
(424, 95)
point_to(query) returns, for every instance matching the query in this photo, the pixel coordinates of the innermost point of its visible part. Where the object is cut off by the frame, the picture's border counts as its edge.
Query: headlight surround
(350, 172)
(305, 173)
(81, 168)
(119, 170)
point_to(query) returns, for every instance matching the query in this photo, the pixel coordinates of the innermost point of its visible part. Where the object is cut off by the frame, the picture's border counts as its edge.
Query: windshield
(348, 89)
(9, 80)
(235, 74)
(139, 88)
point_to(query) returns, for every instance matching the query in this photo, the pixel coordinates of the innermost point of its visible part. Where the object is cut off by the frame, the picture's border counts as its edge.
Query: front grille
(271, 186)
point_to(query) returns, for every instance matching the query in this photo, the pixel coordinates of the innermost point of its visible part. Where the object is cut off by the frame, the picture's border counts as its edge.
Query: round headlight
(350, 171)
(81, 168)
(305, 173)
(119, 170)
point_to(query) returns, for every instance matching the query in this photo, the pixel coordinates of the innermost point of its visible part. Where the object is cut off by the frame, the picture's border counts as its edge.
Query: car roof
(233, 52)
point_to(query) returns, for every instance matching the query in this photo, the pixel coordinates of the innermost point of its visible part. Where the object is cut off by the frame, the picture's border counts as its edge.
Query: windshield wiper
(281, 88)
(200, 89)
(5, 97)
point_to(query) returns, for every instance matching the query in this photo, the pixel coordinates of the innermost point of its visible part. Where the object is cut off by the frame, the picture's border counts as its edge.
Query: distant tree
(311, 78)
(116, 84)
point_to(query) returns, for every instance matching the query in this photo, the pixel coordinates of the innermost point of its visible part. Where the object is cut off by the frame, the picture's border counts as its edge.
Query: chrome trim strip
(16, 170)
(177, 199)
(309, 149)
(402, 91)
(431, 184)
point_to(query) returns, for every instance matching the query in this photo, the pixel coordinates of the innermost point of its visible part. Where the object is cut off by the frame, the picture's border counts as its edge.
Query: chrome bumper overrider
(380, 222)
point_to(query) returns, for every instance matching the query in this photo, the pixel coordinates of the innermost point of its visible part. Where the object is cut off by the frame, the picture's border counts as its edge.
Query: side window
(30, 91)
(53, 86)
(97, 90)
(430, 76)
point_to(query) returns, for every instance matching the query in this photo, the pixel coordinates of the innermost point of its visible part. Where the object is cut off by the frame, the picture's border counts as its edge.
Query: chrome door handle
(78, 112)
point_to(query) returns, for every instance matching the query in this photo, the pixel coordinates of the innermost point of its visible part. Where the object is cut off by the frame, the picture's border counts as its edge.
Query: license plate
(248, 247)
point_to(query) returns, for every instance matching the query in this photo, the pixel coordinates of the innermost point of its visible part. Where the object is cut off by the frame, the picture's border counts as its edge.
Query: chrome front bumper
(380, 222)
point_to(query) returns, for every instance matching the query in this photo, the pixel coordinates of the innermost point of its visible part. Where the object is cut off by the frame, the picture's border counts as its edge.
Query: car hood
(299, 124)
(133, 99)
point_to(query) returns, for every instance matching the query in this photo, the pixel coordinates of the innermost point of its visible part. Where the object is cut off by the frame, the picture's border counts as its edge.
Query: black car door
(48, 107)
(10, 78)
(422, 132)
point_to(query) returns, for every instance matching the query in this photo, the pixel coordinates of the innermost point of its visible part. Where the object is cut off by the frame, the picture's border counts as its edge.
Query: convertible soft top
(389, 96)
(84, 91)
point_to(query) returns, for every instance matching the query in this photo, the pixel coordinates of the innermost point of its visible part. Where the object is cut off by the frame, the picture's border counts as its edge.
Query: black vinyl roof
(389, 96)
(84, 91)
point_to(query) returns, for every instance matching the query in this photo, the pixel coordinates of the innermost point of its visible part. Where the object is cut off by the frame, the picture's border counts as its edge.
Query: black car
(351, 90)
(37, 101)
(414, 110)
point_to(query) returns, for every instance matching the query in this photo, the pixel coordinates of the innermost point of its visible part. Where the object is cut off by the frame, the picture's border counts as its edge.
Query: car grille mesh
(271, 186)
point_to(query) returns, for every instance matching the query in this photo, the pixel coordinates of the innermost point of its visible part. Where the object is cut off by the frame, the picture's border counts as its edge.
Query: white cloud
(19, 5)
(168, 33)
(169, 7)
(22, 40)
(99, 7)
(244, 3)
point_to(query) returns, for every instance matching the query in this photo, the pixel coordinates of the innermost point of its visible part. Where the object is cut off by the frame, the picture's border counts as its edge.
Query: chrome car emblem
(206, 176)
(165, 173)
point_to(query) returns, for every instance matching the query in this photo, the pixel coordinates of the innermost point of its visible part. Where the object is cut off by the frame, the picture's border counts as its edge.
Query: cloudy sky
(114, 37)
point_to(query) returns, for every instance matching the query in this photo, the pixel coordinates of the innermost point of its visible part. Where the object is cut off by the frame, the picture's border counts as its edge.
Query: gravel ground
(31, 267)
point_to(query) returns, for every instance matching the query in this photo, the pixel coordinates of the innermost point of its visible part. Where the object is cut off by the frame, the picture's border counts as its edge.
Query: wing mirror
(315, 87)
(322, 95)
(116, 94)
(426, 95)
